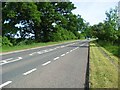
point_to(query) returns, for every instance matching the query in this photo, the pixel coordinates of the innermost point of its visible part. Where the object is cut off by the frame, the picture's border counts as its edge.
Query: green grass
(103, 74)
(114, 49)
(33, 45)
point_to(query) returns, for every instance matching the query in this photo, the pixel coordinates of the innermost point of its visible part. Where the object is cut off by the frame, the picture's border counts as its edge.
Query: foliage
(62, 34)
(108, 31)
(6, 42)
(37, 18)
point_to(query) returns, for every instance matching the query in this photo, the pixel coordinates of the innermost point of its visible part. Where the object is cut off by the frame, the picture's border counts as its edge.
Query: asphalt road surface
(58, 66)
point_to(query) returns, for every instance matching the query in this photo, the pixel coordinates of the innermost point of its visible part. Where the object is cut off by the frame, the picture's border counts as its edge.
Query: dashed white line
(63, 55)
(71, 50)
(39, 52)
(67, 52)
(32, 53)
(28, 72)
(6, 83)
(19, 58)
(56, 58)
(82, 44)
(7, 59)
(46, 63)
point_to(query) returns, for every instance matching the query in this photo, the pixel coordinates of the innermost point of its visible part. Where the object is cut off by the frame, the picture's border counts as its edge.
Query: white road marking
(50, 50)
(63, 55)
(62, 46)
(46, 63)
(19, 58)
(6, 83)
(71, 50)
(39, 52)
(82, 44)
(58, 47)
(46, 50)
(56, 58)
(32, 53)
(67, 52)
(28, 72)
(7, 59)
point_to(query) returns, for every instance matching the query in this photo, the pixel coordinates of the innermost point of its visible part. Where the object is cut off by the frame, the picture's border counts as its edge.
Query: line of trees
(109, 30)
(40, 21)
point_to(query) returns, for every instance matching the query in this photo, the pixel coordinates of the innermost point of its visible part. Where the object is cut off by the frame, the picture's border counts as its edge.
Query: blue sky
(93, 11)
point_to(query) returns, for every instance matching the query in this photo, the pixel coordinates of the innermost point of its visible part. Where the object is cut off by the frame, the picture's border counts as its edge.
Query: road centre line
(30, 71)
(67, 52)
(46, 63)
(39, 52)
(32, 53)
(63, 55)
(56, 58)
(6, 83)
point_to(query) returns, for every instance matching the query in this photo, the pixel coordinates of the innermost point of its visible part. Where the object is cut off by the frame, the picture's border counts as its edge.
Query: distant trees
(40, 21)
(108, 31)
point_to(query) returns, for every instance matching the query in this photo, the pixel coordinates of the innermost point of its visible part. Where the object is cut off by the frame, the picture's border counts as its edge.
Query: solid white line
(56, 58)
(28, 72)
(6, 83)
(46, 63)
(63, 55)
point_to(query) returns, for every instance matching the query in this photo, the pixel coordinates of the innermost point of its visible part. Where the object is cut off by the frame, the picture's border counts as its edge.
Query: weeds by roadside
(103, 74)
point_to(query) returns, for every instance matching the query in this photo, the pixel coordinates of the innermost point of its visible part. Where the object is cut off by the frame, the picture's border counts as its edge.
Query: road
(58, 66)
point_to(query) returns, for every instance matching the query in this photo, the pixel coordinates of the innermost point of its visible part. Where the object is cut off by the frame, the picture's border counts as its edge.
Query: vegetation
(33, 24)
(103, 74)
(114, 49)
(32, 45)
(24, 23)
(109, 30)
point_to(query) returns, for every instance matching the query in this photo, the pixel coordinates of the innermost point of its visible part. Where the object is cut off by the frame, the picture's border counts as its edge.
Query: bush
(62, 34)
(0, 41)
(25, 42)
(6, 42)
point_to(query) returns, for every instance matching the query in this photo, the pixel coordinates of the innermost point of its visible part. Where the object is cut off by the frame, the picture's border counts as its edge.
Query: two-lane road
(58, 66)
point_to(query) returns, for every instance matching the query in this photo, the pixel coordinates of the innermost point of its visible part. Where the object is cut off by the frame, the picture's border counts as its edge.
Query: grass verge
(33, 45)
(103, 74)
(114, 49)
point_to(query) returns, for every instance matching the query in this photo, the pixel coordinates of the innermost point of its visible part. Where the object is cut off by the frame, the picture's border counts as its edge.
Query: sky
(93, 11)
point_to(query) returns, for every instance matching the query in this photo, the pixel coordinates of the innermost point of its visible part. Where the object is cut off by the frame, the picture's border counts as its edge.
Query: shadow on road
(79, 46)
(87, 71)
